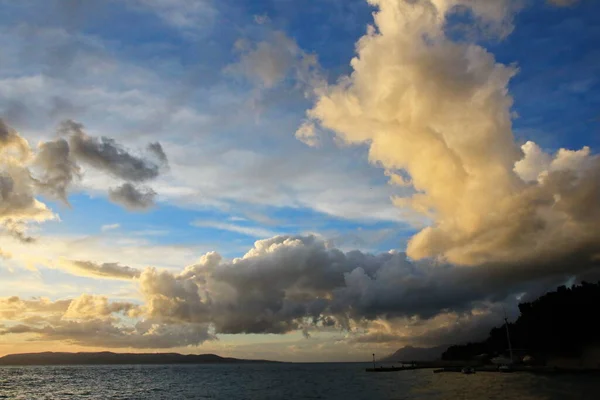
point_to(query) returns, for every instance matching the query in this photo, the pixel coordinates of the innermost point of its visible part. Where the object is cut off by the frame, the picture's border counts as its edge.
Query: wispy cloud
(93, 269)
(182, 14)
(253, 231)
(110, 227)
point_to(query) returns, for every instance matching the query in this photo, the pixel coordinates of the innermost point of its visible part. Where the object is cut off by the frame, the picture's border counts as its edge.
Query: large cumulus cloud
(438, 111)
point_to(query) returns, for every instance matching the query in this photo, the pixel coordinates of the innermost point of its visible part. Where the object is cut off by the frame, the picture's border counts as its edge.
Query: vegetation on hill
(560, 323)
(410, 353)
(107, 358)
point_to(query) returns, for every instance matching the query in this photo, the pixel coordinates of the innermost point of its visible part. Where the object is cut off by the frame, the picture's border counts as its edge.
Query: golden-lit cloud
(91, 320)
(439, 110)
(99, 270)
(15, 308)
(18, 205)
(90, 307)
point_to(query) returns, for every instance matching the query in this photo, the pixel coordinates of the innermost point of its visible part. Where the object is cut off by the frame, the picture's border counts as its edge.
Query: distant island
(109, 358)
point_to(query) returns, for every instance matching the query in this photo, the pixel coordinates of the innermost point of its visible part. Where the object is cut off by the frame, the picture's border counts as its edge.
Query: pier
(442, 367)
(392, 368)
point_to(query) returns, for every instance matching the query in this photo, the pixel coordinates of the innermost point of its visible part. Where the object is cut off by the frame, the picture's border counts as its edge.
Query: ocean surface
(280, 381)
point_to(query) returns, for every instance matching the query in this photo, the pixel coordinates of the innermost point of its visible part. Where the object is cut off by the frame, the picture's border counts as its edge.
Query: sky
(313, 180)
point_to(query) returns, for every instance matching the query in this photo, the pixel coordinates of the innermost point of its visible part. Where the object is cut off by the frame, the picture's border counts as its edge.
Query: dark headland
(556, 332)
(109, 358)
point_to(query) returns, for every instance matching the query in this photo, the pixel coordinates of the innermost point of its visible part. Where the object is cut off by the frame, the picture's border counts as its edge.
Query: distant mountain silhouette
(561, 323)
(106, 357)
(410, 353)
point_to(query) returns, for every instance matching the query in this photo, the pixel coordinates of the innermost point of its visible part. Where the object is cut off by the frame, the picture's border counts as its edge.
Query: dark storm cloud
(57, 168)
(131, 197)
(290, 283)
(52, 168)
(107, 155)
(156, 149)
(284, 283)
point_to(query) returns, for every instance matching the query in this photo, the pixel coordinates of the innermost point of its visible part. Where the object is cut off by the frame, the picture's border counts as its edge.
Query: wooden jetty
(391, 369)
(540, 370)
(459, 367)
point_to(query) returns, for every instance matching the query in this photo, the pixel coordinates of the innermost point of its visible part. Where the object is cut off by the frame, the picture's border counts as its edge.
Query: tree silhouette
(561, 323)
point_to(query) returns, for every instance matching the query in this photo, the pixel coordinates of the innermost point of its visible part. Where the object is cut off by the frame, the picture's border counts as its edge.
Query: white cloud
(128, 102)
(109, 227)
(306, 134)
(253, 231)
(262, 19)
(270, 61)
(533, 163)
(182, 14)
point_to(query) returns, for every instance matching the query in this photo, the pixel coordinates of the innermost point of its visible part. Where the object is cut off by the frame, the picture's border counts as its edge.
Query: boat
(505, 364)
(468, 370)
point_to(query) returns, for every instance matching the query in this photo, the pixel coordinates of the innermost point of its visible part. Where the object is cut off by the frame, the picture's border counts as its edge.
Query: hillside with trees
(109, 358)
(560, 323)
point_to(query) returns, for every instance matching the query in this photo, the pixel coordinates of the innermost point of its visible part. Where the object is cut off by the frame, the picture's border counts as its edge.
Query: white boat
(503, 362)
(468, 370)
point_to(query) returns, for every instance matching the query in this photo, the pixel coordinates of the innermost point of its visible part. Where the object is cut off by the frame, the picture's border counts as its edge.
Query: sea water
(280, 381)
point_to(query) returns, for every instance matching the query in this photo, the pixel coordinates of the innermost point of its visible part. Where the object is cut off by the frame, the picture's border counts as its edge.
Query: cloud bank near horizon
(292, 283)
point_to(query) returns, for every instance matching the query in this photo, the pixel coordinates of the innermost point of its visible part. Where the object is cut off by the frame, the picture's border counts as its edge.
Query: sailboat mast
(508, 337)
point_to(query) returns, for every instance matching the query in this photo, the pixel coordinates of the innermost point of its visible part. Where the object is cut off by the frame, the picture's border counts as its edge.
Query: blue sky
(555, 90)
(173, 71)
